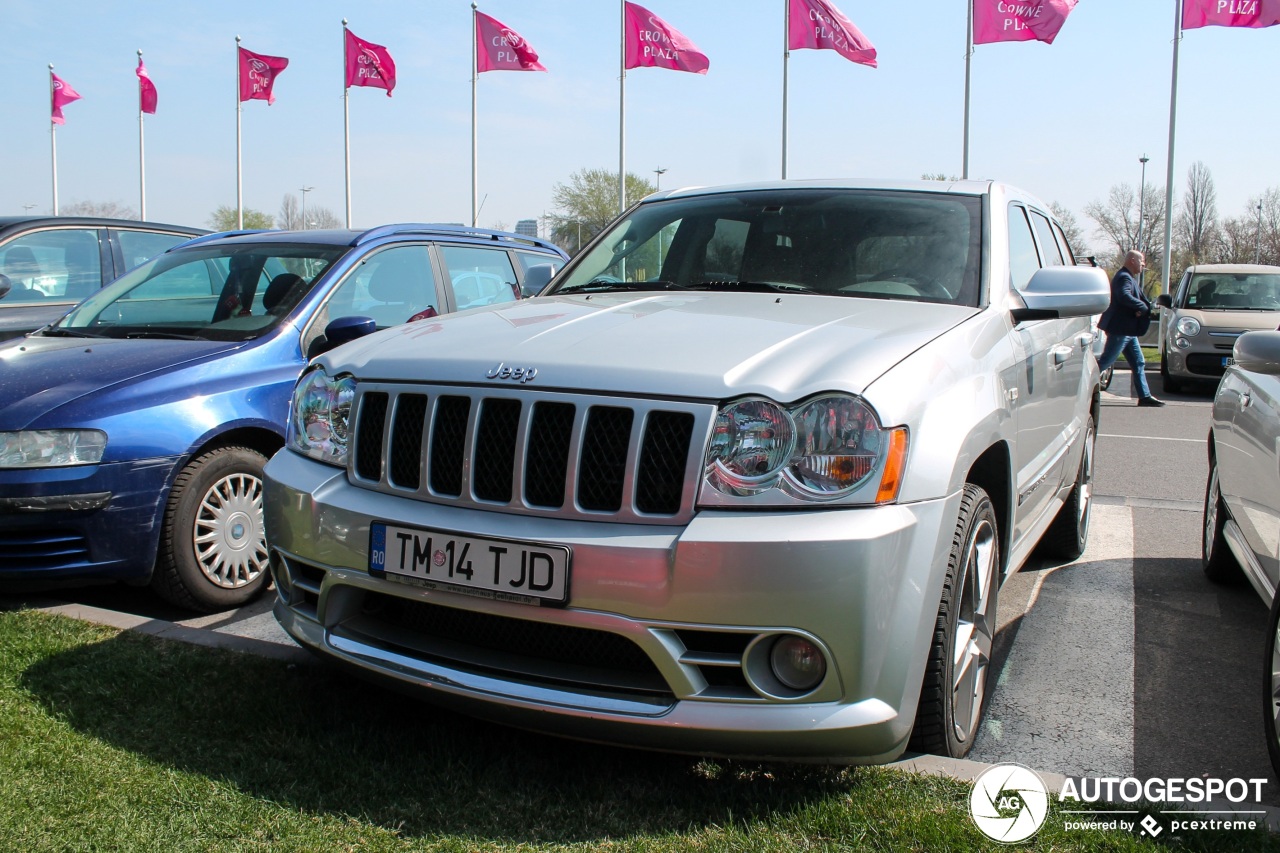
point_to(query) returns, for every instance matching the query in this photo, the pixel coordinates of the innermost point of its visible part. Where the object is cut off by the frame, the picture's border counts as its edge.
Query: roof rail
(205, 238)
(438, 228)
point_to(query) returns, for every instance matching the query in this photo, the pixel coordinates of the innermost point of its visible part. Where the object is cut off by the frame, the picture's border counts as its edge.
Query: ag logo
(1008, 803)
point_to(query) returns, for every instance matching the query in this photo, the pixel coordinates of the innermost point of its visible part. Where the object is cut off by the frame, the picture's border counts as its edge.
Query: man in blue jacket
(1126, 318)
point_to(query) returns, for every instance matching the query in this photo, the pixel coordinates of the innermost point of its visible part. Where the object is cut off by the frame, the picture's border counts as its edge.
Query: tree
(224, 219)
(1070, 227)
(589, 202)
(108, 209)
(1117, 221)
(938, 176)
(1197, 223)
(290, 215)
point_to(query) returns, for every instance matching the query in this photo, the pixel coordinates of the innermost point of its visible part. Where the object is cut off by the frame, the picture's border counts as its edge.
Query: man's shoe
(1150, 401)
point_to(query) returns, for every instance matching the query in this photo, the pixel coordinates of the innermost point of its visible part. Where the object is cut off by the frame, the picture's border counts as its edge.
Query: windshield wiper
(63, 332)
(752, 286)
(607, 285)
(168, 336)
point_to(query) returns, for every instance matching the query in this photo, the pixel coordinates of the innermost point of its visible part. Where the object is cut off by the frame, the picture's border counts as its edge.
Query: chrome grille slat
(531, 452)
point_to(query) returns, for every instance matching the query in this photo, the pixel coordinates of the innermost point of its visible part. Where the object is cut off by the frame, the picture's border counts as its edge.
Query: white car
(744, 481)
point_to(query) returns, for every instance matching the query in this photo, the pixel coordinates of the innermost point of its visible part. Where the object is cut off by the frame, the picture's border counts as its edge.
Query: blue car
(134, 430)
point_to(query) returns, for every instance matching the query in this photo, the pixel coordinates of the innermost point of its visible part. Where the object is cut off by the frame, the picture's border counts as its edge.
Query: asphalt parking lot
(1126, 662)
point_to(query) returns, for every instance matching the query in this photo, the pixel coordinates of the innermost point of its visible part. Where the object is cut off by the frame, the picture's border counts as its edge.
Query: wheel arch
(993, 471)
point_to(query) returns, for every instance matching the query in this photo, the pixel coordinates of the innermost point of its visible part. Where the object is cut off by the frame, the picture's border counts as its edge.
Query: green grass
(119, 741)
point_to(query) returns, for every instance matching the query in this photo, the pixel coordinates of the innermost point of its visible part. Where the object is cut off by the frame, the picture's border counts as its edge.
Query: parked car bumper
(692, 609)
(93, 522)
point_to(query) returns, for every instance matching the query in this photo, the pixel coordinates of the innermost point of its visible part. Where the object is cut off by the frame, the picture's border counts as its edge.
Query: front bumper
(93, 522)
(664, 641)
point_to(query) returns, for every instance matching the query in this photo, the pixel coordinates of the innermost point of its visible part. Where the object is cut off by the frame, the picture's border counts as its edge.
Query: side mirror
(5, 285)
(1064, 292)
(536, 278)
(1258, 352)
(1164, 300)
(340, 331)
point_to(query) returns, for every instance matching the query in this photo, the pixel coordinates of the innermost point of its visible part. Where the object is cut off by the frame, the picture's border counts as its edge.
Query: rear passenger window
(479, 276)
(1023, 260)
(139, 246)
(1052, 254)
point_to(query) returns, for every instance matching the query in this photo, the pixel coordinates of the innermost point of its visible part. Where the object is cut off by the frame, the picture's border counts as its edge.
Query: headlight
(319, 417)
(825, 448)
(1188, 326)
(51, 448)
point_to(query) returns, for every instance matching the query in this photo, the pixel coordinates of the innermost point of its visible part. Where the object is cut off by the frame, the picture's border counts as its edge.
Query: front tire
(1067, 537)
(955, 680)
(1271, 686)
(1171, 383)
(1220, 564)
(213, 550)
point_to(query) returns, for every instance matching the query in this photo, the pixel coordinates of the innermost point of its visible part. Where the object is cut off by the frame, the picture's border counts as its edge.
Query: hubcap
(229, 537)
(1275, 686)
(1085, 486)
(971, 652)
(1211, 512)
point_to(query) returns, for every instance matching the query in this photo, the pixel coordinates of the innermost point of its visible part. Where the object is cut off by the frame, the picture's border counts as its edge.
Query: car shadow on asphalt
(320, 741)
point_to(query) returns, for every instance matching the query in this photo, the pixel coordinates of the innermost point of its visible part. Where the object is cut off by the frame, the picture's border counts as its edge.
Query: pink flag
(258, 74)
(369, 64)
(500, 48)
(63, 94)
(819, 25)
(147, 96)
(1019, 20)
(1230, 13)
(651, 41)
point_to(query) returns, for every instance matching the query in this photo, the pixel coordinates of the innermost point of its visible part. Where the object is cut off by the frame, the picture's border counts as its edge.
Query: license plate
(526, 572)
(1227, 361)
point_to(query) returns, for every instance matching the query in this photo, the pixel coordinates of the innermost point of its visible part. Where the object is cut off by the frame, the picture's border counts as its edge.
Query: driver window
(392, 287)
(1023, 260)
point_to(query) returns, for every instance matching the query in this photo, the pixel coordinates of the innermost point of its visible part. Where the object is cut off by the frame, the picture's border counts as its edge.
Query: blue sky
(1066, 121)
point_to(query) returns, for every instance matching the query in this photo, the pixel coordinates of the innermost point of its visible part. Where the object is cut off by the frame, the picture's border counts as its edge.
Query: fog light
(797, 662)
(1182, 343)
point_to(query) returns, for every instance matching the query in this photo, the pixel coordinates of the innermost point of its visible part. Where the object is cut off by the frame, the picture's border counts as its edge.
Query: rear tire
(1220, 564)
(213, 550)
(1067, 537)
(955, 677)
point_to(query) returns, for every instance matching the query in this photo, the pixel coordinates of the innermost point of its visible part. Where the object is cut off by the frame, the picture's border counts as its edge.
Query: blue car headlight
(51, 448)
(319, 417)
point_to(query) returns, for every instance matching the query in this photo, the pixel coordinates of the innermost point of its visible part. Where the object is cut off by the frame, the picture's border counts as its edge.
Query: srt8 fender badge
(515, 374)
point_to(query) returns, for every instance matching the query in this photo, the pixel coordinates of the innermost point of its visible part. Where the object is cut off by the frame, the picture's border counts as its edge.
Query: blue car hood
(39, 374)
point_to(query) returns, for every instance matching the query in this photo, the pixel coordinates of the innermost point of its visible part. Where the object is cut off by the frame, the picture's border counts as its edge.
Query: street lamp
(1142, 198)
(305, 190)
(26, 207)
(1257, 248)
(657, 183)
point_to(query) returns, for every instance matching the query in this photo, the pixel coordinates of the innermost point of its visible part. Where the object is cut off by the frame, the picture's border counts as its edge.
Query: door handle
(1245, 401)
(1061, 354)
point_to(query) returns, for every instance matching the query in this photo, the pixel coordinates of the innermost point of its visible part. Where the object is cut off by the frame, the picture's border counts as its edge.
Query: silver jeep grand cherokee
(745, 480)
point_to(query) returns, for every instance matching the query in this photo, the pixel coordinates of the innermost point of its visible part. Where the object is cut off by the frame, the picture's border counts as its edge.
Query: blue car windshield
(232, 292)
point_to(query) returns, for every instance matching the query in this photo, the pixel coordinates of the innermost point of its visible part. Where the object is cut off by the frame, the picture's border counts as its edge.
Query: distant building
(527, 227)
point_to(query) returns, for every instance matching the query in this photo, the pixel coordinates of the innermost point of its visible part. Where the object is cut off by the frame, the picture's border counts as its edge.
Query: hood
(39, 374)
(697, 345)
(1233, 319)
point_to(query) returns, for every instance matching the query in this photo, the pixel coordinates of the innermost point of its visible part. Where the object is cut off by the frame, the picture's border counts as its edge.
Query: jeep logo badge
(515, 374)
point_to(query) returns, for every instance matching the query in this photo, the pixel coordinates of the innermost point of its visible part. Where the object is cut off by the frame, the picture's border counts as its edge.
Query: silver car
(1242, 499)
(1213, 305)
(744, 480)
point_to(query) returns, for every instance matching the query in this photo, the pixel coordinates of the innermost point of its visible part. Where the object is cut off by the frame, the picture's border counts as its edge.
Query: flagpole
(968, 73)
(142, 154)
(346, 124)
(475, 75)
(239, 162)
(622, 115)
(1168, 184)
(53, 142)
(786, 58)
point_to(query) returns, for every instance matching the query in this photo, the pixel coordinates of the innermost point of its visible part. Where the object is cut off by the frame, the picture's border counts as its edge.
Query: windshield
(1233, 292)
(860, 243)
(225, 293)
